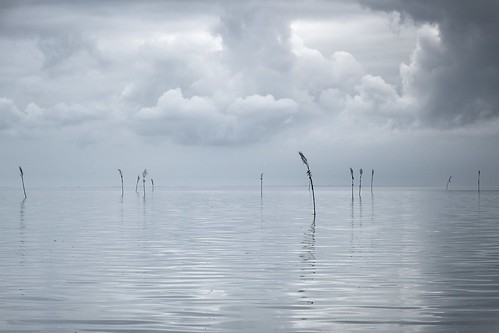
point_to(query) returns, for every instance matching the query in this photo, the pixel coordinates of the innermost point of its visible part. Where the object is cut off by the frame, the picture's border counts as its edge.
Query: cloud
(183, 120)
(454, 70)
(256, 117)
(59, 49)
(315, 72)
(256, 48)
(35, 122)
(199, 121)
(233, 74)
(9, 115)
(339, 86)
(378, 104)
(237, 73)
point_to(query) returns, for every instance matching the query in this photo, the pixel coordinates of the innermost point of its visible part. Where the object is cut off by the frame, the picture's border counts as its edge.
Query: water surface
(226, 260)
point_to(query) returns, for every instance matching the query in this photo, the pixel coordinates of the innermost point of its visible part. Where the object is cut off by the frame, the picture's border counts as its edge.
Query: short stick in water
(372, 178)
(478, 181)
(360, 180)
(22, 180)
(351, 173)
(121, 176)
(261, 185)
(144, 174)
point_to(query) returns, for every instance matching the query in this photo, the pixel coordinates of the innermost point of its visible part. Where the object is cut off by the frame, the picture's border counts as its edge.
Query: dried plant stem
(137, 184)
(22, 180)
(309, 174)
(121, 176)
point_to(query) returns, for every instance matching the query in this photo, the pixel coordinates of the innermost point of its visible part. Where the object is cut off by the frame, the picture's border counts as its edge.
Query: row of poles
(303, 158)
(144, 174)
(361, 172)
(450, 178)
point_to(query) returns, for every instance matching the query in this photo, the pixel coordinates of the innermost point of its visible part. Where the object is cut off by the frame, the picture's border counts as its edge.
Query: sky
(218, 92)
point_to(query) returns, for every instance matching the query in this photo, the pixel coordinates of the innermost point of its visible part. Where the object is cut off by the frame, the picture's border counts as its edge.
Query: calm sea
(227, 260)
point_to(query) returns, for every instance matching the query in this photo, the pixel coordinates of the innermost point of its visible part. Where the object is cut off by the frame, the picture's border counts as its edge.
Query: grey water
(227, 260)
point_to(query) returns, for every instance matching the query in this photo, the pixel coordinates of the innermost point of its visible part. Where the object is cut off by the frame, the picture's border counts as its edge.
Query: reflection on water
(21, 211)
(308, 269)
(21, 232)
(225, 260)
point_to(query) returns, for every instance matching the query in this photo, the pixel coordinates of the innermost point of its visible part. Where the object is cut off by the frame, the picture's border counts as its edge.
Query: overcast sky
(216, 92)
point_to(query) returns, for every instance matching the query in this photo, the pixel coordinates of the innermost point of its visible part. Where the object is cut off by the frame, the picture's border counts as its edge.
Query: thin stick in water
(261, 185)
(152, 184)
(478, 181)
(121, 176)
(360, 180)
(22, 180)
(448, 182)
(137, 184)
(144, 174)
(309, 174)
(372, 178)
(351, 173)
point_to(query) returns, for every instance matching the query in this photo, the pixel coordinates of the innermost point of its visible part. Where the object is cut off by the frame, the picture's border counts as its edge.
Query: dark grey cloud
(456, 79)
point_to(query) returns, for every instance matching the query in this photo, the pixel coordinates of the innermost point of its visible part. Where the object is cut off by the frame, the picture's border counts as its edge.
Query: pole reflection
(308, 256)
(21, 230)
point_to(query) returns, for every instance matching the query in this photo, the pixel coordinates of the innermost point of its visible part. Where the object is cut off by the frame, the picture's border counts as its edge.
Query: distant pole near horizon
(144, 174)
(478, 181)
(261, 185)
(372, 177)
(360, 180)
(351, 173)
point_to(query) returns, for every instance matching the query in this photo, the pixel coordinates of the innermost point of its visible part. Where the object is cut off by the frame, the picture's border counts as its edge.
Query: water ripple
(224, 261)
